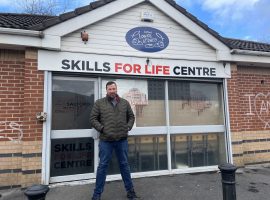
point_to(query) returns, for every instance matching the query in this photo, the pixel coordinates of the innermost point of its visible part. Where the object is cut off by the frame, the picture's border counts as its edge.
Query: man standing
(113, 117)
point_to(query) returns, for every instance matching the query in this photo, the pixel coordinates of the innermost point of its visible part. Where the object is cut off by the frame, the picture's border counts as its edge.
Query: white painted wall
(108, 37)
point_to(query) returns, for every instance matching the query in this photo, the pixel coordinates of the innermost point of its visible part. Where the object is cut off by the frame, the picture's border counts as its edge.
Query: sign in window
(72, 156)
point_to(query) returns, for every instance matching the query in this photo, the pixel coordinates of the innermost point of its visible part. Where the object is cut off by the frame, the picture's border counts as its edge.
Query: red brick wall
(21, 97)
(233, 98)
(249, 106)
(249, 99)
(11, 93)
(254, 98)
(33, 97)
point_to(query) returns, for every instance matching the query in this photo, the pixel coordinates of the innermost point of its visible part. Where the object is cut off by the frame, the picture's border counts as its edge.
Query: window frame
(174, 130)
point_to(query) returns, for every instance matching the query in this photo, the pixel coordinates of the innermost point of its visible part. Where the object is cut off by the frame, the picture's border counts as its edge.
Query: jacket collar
(117, 98)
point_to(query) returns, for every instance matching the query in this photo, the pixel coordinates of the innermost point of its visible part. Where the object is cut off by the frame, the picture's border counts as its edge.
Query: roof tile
(66, 16)
(247, 45)
(83, 10)
(51, 22)
(21, 21)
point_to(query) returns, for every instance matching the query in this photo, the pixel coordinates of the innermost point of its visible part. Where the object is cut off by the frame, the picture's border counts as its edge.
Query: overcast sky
(240, 19)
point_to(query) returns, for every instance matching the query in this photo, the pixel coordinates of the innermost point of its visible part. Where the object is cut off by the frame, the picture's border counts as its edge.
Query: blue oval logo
(147, 39)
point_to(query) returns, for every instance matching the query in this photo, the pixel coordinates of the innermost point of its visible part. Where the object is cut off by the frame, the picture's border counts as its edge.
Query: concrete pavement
(253, 183)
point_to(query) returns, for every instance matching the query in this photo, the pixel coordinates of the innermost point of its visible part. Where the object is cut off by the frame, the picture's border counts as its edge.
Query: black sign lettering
(184, 71)
(199, 70)
(213, 72)
(65, 64)
(194, 71)
(88, 68)
(96, 67)
(85, 65)
(75, 65)
(176, 70)
(72, 156)
(106, 67)
(191, 70)
(205, 71)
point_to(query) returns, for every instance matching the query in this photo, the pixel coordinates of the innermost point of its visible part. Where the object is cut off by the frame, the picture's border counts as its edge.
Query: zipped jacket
(113, 122)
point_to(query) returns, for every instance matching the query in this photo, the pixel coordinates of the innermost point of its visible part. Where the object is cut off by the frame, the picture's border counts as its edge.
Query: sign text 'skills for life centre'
(136, 69)
(131, 66)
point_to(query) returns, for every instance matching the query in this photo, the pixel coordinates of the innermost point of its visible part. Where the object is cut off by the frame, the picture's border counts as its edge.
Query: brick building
(206, 97)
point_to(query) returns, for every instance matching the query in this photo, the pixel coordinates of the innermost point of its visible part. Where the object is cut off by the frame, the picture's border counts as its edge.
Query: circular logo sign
(147, 39)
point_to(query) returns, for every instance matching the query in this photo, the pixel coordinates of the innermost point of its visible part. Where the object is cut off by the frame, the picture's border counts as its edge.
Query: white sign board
(106, 64)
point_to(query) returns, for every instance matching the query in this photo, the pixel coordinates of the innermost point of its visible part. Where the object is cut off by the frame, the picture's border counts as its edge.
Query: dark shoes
(132, 195)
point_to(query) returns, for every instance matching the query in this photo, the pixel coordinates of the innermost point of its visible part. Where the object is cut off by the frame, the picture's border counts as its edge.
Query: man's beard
(112, 96)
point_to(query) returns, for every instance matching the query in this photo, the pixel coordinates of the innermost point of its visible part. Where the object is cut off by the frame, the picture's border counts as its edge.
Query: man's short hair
(110, 83)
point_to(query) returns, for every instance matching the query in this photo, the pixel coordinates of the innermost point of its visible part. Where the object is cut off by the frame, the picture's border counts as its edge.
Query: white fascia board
(20, 40)
(190, 25)
(223, 55)
(90, 17)
(251, 59)
(51, 42)
(13, 31)
(248, 52)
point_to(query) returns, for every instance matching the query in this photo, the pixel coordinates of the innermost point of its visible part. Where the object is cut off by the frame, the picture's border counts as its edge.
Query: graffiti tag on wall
(259, 105)
(15, 127)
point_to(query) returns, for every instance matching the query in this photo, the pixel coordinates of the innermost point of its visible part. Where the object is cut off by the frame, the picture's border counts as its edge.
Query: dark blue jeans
(105, 155)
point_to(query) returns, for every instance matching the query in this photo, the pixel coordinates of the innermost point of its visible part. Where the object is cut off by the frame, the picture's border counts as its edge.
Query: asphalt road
(252, 183)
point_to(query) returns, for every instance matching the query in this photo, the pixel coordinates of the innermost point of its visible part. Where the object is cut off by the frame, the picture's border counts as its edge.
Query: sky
(238, 19)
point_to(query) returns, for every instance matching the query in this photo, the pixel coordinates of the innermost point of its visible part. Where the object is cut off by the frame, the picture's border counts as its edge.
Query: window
(72, 101)
(147, 100)
(195, 103)
(72, 156)
(196, 150)
(146, 153)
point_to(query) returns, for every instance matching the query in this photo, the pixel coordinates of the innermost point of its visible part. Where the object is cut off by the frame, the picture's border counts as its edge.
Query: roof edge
(23, 32)
(69, 15)
(249, 52)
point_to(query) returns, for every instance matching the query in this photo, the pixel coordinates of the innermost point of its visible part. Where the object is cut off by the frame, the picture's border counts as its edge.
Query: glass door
(73, 146)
